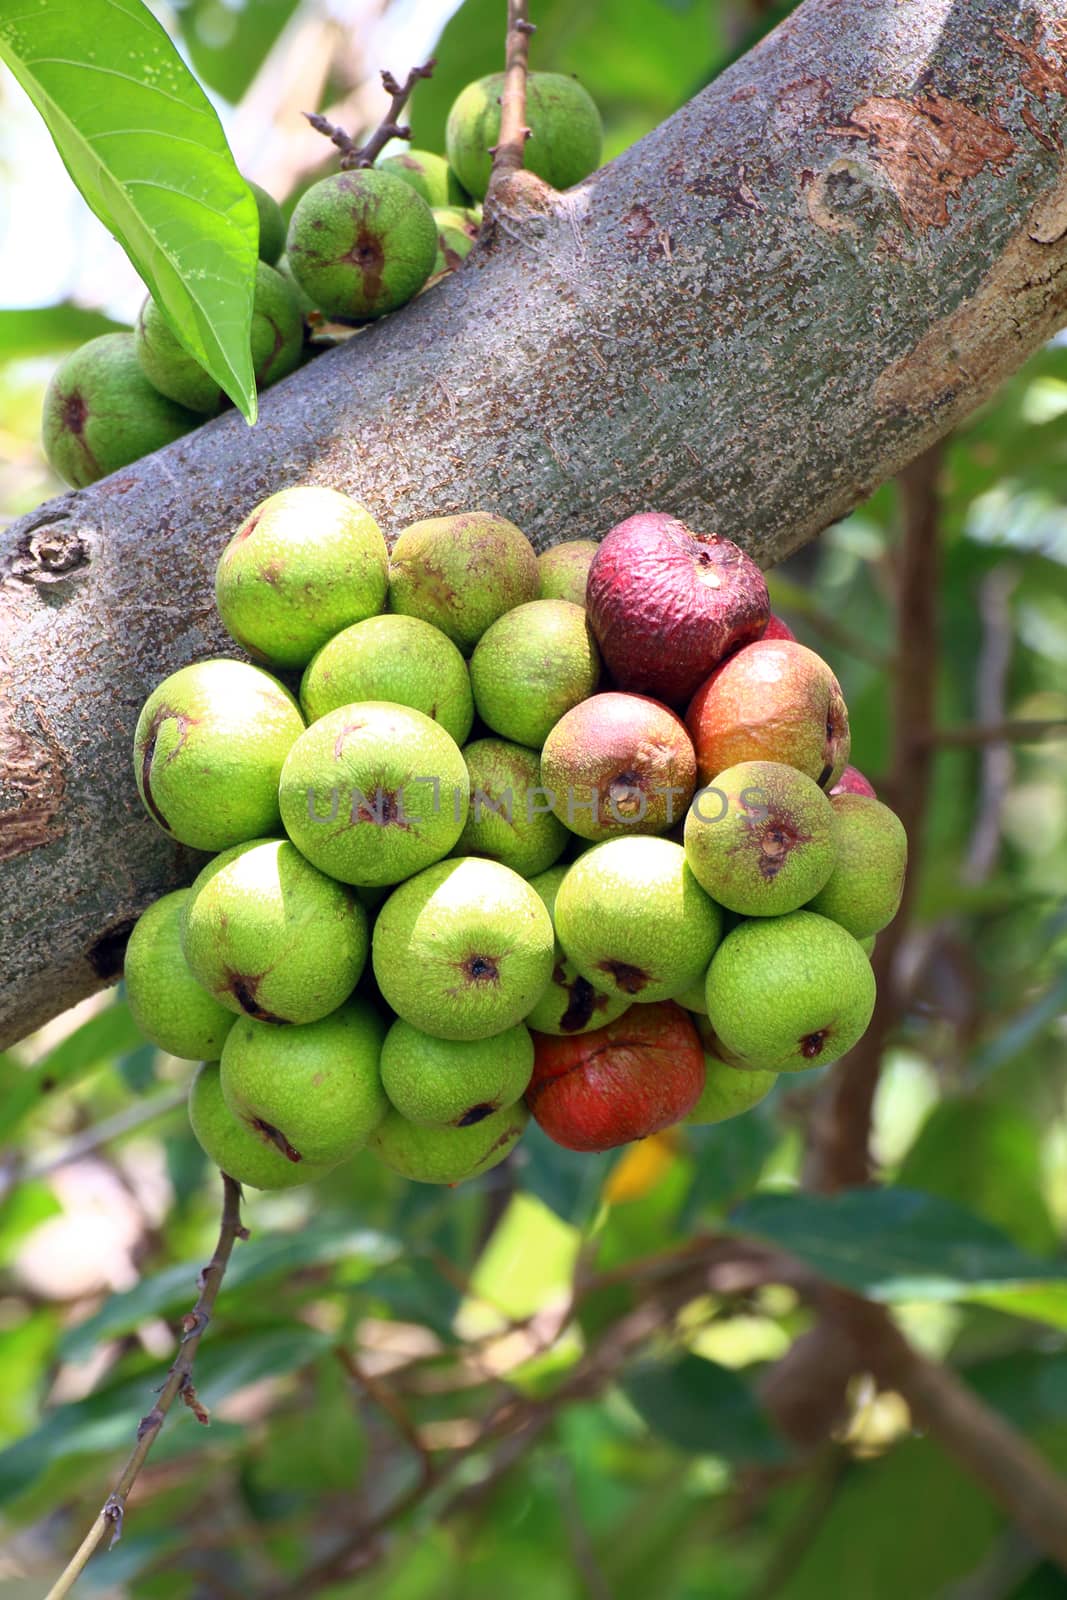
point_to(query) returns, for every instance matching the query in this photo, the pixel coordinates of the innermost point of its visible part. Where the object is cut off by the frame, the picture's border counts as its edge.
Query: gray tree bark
(751, 318)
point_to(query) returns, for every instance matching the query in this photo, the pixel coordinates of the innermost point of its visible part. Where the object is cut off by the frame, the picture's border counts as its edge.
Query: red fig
(618, 763)
(852, 781)
(773, 701)
(777, 629)
(666, 605)
(639, 1074)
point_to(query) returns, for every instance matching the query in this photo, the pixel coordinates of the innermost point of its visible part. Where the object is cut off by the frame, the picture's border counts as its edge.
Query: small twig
(178, 1383)
(975, 734)
(386, 1401)
(390, 127)
(509, 152)
(16, 1171)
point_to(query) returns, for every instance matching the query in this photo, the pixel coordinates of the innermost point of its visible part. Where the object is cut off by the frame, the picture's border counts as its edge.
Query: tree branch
(365, 155)
(179, 1383)
(840, 1129)
(974, 734)
(665, 334)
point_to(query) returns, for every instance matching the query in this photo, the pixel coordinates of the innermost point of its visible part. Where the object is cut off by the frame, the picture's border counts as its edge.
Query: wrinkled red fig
(666, 605)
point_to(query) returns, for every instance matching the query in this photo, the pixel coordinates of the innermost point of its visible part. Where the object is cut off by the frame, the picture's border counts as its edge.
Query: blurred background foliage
(376, 1343)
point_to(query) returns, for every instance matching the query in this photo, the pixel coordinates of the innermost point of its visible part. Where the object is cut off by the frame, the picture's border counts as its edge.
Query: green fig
(788, 993)
(167, 1003)
(461, 573)
(304, 564)
(249, 1155)
(271, 224)
(315, 1089)
(531, 666)
(565, 570)
(448, 1155)
(863, 891)
(508, 819)
(427, 173)
(729, 1091)
(208, 752)
(635, 921)
(373, 792)
(400, 659)
(463, 950)
(361, 243)
(101, 412)
(454, 1082)
(271, 937)
(570, 1004)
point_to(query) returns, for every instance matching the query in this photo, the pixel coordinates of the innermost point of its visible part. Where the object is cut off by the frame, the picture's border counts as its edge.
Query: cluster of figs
(497, 835)
(360, 243)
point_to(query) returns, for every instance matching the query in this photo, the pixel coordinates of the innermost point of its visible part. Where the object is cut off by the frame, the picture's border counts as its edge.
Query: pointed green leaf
(144, 146)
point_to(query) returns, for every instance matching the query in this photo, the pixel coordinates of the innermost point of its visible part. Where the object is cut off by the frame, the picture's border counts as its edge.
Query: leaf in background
(728, 1157)
(987, 1157)
(1021, 1031)
(254, 1261)
(144, 146)
(569, 1183)
(703, 1408)
(46, 328)
(109, 1033)
(894, 1244)
(228, 44)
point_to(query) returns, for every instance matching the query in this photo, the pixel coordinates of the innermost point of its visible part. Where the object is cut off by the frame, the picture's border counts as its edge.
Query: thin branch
(390, 127)
(1018, 731)
(509, 152)
(16, 1171)
(179, 1382)
(997, 760)
(840, 1130)
(386, 1401)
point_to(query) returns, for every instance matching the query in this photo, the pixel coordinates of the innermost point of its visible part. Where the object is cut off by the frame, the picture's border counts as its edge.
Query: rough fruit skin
(400, 659)
(762, 839)
(277, 337)
(314, 1089)
(373, 792)
(635, 921)
(304, 564)
(509, 818)
(619, 764)
(271, 937)
(666, 605)
(448, 1155)
(852, 781)
(728, 1092)
(100, 412)
(461, 573)
(271, 224)
(777, 629)
(463, 950)
(250, 1158)
(167, 1003)
(428, 173)
(566, 134)
(633, 1077)
(773, 701)
(565, 570)
(531, 666)
(208, 752)
(788, 993)
(863, 891)
(570, 1005)
(454, 1082)
(361, 243)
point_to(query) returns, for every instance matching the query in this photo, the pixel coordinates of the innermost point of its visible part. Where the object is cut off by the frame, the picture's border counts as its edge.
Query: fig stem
(509, 152)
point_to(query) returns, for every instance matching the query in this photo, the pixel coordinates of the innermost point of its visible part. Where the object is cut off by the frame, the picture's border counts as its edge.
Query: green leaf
(895, 1244)
(228, 44)
(987, 1157)
(109, 1033)
(567, 1181)
(253, 1262)
(703, 1408)
(39, 331)
(143, 144)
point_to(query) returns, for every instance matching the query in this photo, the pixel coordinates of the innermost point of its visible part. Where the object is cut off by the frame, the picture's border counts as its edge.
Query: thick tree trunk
(751, 318)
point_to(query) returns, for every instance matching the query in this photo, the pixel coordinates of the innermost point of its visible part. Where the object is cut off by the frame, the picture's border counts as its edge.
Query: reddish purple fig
(667, 605)
(852, 781)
